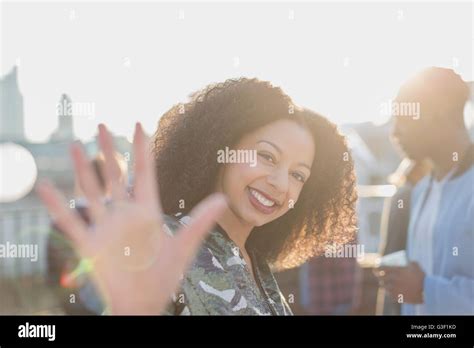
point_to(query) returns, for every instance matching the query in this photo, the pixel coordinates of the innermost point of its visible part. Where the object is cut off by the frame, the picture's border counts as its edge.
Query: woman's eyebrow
(279, 150)
(270, 143)
(305, 165)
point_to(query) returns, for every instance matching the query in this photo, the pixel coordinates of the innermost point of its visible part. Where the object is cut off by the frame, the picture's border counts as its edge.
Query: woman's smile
(261, 201)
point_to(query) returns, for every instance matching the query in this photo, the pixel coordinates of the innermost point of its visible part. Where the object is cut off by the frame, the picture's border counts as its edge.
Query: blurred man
(440, 277)
(395, 219)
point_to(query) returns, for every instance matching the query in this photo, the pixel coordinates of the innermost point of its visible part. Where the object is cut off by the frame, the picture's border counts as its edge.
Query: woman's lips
(259, 206)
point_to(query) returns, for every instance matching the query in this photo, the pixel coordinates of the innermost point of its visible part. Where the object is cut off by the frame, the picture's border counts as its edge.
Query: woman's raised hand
(136, 265)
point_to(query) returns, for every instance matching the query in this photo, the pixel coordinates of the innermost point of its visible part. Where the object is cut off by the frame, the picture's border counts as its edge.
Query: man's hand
(406, 281)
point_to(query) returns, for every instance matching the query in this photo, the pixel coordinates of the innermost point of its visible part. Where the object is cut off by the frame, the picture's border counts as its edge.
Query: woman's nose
(279, 180)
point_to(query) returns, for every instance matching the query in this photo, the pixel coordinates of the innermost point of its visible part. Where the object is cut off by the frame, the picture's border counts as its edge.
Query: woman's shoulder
(217, 282)
(207, 286)
(214, 250)
(171, 224)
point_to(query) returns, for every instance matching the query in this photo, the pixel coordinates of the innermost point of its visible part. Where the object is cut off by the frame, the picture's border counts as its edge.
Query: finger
(386, 283)
(190, 237)
(390, 270)
(67, 220)
(390, 281)
(88, 182)
(112, 173)
(145, 185)
(389, 275)
(378, 272)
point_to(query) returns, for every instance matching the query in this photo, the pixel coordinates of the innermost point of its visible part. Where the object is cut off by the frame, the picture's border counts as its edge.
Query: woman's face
(260, 192)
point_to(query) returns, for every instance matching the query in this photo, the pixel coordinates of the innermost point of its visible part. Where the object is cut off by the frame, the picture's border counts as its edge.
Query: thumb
(203, 218)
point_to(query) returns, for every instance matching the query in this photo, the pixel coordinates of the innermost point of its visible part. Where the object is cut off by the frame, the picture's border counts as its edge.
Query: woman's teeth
(261, 199)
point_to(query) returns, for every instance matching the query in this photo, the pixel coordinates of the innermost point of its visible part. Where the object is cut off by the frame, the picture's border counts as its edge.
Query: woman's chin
(252, 217)
(252, 220)
(257, 221)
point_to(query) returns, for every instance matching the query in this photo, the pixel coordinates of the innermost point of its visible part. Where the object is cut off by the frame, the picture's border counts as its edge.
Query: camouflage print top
(219, 282)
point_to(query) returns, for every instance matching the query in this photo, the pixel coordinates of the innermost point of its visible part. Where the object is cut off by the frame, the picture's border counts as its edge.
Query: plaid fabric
(328, 285)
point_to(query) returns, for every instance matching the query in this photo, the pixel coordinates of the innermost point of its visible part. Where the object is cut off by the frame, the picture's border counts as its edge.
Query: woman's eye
(267, 157)
(299, 177)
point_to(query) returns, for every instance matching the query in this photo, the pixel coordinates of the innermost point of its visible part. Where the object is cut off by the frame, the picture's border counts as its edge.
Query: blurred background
(66, 67)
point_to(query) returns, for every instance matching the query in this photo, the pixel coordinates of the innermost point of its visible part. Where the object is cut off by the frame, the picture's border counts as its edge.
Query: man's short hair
(437, 89)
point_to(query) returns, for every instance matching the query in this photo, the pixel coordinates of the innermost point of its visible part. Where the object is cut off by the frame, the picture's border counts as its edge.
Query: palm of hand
(136, 265)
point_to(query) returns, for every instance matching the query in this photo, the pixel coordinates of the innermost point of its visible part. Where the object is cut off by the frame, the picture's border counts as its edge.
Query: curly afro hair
(188, 138)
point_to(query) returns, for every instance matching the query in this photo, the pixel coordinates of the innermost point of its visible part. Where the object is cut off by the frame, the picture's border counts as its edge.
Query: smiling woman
(298, 198)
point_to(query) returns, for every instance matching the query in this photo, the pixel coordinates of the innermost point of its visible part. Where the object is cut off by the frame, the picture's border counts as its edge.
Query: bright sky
(132, 61)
